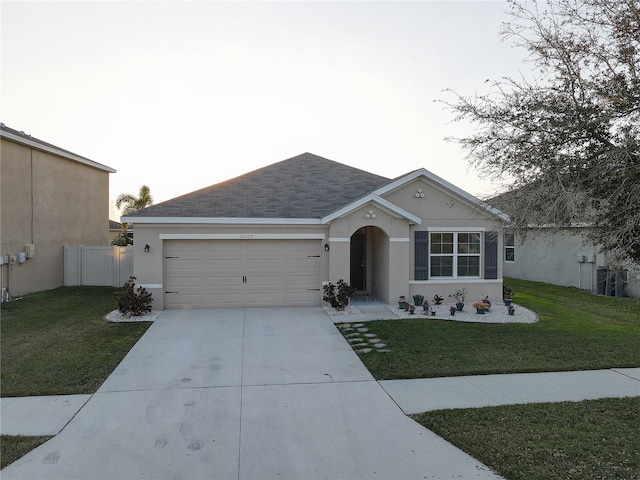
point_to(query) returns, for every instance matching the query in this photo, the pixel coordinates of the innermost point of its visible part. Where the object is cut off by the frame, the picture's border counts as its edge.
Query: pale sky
(183, 95)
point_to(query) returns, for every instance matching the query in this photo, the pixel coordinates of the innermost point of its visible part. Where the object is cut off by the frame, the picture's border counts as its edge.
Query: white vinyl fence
(105, 266)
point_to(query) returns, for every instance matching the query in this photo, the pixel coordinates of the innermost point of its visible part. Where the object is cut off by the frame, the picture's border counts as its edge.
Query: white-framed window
(454, 254)
(509, 247)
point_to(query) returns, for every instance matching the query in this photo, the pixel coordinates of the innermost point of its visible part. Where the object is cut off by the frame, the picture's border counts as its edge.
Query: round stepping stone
(358, 345)
(375, 340)
(356, 325)
(370, 335)
(345, 326)
(355, 339)
(384, 350)
(380, 345)
(363, 329)
(353, 334)
(364, 350)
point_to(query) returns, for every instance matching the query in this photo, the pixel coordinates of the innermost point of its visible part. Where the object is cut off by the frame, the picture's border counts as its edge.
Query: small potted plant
(402, 303)
(453, 310)
(412, 309)
(417, 299)
(437, 299)
(459, 295)
(425, 305)
(511, 310)
(433, 312)
(481, 307)
(507, 295)
(487, 302)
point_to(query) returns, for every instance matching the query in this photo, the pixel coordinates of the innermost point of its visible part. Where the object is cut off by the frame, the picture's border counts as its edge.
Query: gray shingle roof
(305, 186)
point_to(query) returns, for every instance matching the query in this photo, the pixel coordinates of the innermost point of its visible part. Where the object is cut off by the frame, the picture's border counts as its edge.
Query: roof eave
(55, 151)
(220, 220)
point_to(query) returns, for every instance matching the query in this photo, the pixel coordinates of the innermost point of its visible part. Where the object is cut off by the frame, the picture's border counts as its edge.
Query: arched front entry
(369, 262)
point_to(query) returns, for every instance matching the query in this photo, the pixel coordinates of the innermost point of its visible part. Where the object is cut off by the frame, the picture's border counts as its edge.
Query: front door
(358, 261)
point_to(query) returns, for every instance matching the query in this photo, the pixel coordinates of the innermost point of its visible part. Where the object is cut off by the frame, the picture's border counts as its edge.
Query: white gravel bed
(117, 317)
(347, 311)
(497, 314)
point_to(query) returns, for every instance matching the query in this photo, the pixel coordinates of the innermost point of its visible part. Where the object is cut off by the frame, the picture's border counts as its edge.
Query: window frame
(509, 247)
(456, 254)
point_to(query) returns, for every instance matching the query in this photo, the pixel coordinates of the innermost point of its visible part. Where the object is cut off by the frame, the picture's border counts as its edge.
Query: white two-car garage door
(241, 273)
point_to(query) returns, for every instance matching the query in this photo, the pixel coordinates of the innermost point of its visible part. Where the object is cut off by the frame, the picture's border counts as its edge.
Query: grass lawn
(594, 439)
(57, 342)
(15, 446)
(576, 331)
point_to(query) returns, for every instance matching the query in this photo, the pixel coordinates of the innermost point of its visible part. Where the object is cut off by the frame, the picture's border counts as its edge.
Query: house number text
(246, 235)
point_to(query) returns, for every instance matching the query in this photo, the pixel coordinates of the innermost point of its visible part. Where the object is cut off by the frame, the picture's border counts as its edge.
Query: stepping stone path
(363, 342)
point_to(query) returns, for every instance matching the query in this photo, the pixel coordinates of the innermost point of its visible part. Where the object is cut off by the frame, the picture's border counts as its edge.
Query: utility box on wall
(30, 250)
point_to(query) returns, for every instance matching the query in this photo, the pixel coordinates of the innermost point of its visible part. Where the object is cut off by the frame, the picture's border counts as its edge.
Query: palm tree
(133, 203)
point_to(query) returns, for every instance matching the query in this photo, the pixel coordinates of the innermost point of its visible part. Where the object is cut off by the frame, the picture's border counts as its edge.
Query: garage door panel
(184, 300)
(209, 273)
(222, 299)
(228, 262)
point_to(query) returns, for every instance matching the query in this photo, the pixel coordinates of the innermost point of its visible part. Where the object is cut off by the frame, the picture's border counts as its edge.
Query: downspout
(580, 275)
(32, 198)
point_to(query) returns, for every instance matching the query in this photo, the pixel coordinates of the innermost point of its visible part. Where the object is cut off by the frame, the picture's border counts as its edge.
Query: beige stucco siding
(48, 201)
(437, 205)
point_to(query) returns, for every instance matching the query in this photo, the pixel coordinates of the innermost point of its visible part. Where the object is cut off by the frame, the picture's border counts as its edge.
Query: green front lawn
(13, 447)
(594, 439)
(576, 331)
(57, 342)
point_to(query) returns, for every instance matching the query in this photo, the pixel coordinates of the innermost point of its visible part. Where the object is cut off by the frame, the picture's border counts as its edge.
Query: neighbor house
(277, 235)
(50, 197)
(564, 257)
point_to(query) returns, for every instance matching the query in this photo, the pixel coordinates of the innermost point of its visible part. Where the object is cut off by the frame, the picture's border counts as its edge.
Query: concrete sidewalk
(48, 415)
(422, 395)
(266, 393)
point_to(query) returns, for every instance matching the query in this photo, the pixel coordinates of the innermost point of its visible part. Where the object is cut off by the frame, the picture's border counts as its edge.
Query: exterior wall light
(146, 248)
(326, 247)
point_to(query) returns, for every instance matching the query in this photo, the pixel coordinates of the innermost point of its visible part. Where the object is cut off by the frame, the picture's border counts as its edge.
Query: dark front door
(358, 261)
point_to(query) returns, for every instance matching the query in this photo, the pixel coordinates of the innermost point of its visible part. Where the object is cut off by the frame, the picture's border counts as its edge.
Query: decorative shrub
(459, 295)
(132, 301)
(437, 299)
(338, 299)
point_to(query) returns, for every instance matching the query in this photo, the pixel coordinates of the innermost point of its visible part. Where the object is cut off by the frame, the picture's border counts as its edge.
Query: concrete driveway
(272, 393)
